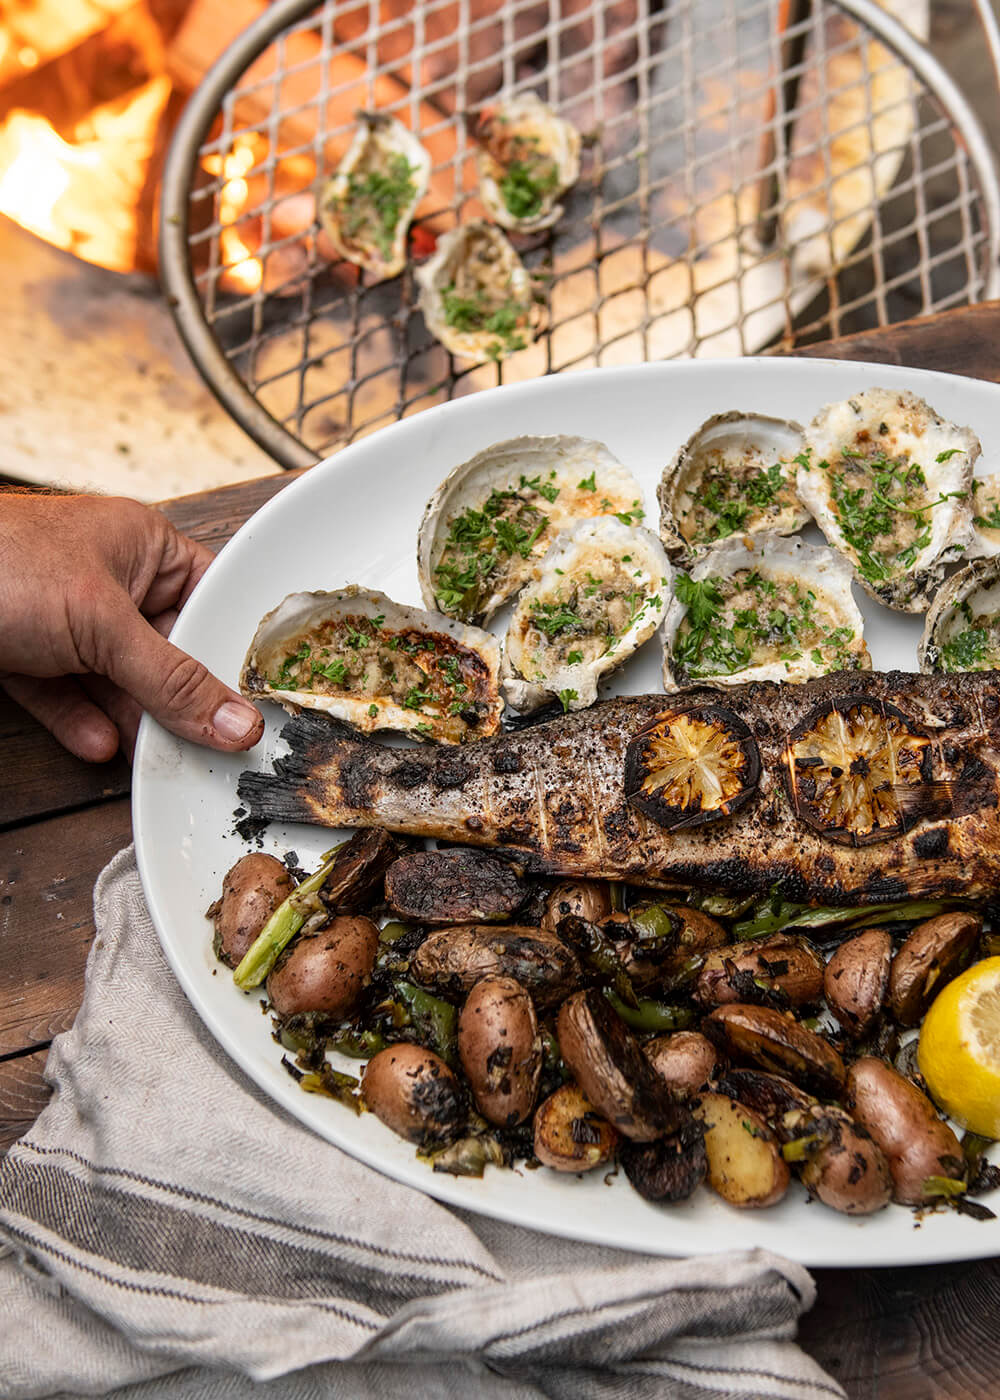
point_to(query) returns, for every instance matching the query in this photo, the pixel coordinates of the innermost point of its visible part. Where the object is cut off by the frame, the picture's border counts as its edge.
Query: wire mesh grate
(878, 209)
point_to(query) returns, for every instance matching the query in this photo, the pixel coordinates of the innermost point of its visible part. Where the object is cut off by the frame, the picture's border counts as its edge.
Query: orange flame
(242, 271)
(80, 194)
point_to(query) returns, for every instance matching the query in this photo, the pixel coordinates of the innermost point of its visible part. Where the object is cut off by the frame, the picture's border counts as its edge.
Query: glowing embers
(857, 771)
(691, 766)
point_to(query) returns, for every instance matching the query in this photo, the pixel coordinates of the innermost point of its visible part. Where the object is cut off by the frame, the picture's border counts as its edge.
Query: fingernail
(234, 721)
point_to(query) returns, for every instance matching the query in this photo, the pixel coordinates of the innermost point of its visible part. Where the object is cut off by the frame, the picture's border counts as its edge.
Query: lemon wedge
(959, 1050)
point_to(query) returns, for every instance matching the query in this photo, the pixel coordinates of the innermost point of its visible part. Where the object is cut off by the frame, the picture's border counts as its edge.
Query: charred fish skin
(554, 795)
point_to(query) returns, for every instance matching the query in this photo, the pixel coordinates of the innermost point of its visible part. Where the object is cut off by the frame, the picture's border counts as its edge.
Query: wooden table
(895, 1334)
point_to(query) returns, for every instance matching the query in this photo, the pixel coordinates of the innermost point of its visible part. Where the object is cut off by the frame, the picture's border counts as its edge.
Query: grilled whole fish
(855, 787)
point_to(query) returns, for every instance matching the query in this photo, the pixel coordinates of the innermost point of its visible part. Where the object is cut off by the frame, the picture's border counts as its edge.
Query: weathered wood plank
(963, 342)
(908, 1334)
(47, 873)
(23, 1095)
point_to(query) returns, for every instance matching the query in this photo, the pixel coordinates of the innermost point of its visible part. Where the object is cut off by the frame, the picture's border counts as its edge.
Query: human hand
(89, 586)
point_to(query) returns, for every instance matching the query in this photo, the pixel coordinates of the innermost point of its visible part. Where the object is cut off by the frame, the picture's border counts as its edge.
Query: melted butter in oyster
(889, 483)
(476, 294)
(360, 657)
(780, 610)
(736, 474)
(599, 593)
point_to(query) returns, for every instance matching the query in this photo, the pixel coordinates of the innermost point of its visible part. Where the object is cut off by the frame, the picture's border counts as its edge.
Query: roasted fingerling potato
(570, 1135)
(251, 891)
(745, 1165)
(500, 1049)
(935, 952)
(856, 979)
(919, 1146)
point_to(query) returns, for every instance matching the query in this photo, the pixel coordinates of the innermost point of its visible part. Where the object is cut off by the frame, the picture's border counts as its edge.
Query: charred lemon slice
(692, 766)
(854, 770)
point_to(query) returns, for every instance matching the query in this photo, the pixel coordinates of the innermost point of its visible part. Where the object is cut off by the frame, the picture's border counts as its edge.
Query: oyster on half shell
(889, 483)
(736, 474)
(356, 655)
(497, 513)
(528, 157)
(367, 207)
(962, 630)
(476, 294)
(763, 608)
(600, 592)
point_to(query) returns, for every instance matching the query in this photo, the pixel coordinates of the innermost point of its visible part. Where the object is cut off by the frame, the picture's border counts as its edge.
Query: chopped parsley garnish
(588, 483)
(730, 499)
(967, 650)
(336, 671)
(632, 516)
(415, 698)
(566, 697)
(574, 657)
(376, 201)
(479, 544)
(526, 183)
(373, 710)
(476, 314)
(552, 619)
(948, 453)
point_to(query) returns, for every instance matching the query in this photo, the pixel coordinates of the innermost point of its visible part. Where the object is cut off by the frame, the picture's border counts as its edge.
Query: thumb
(173, 687)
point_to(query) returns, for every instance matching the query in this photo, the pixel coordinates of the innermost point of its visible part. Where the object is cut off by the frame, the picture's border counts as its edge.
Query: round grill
(757, 174)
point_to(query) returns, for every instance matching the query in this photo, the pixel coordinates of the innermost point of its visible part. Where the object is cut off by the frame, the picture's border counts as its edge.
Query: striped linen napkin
(171, 1233)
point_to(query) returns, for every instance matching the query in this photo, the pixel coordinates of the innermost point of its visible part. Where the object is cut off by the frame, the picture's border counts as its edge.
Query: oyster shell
(985, 518)
(962, 630)
(763, 608)
(495, 514)
(356, 655)
(735, 474)
(476, 294)
(889, 483)
(528, 157)
(600, 592)
(367, 207)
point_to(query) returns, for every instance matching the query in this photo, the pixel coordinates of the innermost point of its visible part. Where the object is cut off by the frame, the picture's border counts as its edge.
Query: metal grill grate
(884, 196)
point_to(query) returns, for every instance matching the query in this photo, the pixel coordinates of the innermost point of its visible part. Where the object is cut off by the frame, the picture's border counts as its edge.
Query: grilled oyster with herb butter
(367, 207)
(527, 158)
(496, 514)
(476, 294)
(763, 608)
(598, 594)
(962, 631)
(889, 483)
(736, 474)
(357, 656)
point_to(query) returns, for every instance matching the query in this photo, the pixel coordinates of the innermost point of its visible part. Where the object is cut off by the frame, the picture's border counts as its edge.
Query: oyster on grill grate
(736, 474)
(889, 483)
(357, 656)
(528, 157)
(496, 514)
(476, 294)
(367, 207)
(763, 608)
(962, 630)
(598, 594)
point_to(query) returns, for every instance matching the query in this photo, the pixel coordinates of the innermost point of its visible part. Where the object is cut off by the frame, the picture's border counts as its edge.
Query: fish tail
(324, 778)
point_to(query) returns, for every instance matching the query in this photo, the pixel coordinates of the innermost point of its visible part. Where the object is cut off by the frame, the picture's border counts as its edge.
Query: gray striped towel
(170, 1232)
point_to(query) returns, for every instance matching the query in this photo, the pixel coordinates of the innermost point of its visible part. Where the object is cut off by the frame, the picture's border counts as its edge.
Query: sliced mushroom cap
(777, 1042)
(670, 1168)
(453, 960)
(453, 887)
(692, 765)
(611, 1069)
(855, 769)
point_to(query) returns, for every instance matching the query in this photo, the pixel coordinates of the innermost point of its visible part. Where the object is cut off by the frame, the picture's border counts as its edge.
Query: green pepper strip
(283, 925)
(771, 920)
(799, 1148)
(440, 1017)
(651, 1015)
(946, 1186)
